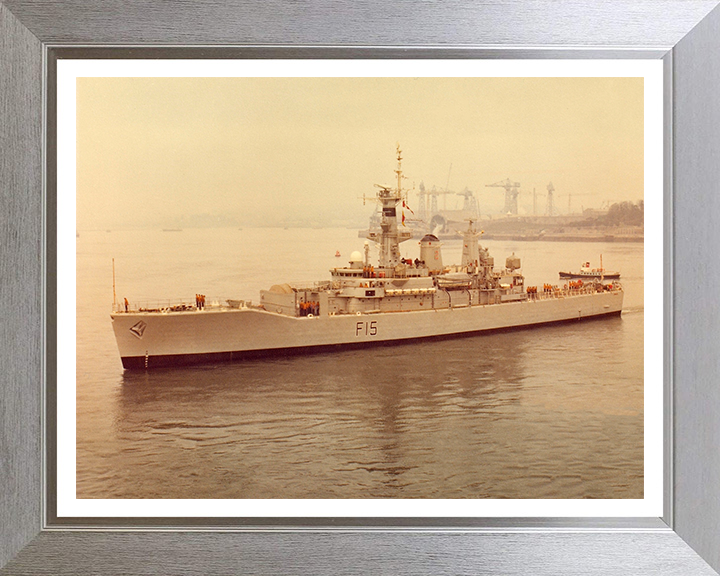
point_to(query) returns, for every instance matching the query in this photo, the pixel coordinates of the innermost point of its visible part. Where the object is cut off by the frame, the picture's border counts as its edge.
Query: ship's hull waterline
(150, 339)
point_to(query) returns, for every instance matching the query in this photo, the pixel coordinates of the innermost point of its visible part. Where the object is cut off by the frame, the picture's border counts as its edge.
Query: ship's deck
(217, 305)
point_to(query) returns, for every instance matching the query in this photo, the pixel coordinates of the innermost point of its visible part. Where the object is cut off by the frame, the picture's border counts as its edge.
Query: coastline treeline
(625, 213)
(619, 214)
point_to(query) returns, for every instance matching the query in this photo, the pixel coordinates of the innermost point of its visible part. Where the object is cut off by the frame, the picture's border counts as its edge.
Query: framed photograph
(168, 198)
(491, 425)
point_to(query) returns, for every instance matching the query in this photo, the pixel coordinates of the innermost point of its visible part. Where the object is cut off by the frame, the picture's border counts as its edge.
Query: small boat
(337, 253)
(591, 273)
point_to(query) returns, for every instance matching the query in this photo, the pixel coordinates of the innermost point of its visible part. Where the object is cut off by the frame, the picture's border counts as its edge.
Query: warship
(362, 304)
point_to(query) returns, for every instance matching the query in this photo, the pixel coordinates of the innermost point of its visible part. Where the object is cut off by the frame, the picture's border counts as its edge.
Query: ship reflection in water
(380, 424)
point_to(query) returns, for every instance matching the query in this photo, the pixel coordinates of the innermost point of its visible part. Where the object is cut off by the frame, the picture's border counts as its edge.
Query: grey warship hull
(181, 338)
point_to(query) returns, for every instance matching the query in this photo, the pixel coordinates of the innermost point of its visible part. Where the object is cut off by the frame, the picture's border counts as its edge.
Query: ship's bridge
(347, 273)
(352, 275)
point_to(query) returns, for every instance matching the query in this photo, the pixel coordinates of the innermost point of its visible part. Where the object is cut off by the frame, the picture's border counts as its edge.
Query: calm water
(554, 412)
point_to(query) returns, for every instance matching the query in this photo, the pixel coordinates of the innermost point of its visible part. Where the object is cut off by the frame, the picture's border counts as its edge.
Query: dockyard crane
(434, 193)
(511, 194)
(550, 209)
(570, 197)
(430, 197)
(423, 201)
(470, 202)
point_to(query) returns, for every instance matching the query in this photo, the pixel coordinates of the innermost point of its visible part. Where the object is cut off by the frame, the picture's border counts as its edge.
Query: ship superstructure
(398, 299)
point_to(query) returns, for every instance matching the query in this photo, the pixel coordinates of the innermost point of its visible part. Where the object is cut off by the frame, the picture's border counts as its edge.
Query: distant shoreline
(564, 237)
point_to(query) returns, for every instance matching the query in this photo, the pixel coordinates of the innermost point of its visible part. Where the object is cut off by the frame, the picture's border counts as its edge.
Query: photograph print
(360, 288)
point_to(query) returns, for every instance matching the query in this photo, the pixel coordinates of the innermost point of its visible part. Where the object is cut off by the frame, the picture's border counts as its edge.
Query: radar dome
(356, 260)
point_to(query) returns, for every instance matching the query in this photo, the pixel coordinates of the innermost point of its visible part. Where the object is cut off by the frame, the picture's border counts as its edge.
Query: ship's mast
(389, 237)
(398, 170)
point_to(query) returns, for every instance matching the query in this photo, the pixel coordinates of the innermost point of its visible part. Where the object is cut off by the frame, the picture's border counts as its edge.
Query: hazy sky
(151, 151)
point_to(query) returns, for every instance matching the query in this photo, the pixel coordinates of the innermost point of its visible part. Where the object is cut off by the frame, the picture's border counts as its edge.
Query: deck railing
(569, 292)
(177, 305)
(171, 305)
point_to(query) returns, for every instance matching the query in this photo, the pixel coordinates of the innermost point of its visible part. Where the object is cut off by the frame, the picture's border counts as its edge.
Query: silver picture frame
(685, 34)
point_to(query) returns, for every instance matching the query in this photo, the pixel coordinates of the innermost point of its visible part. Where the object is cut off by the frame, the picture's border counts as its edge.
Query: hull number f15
(366, 328)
